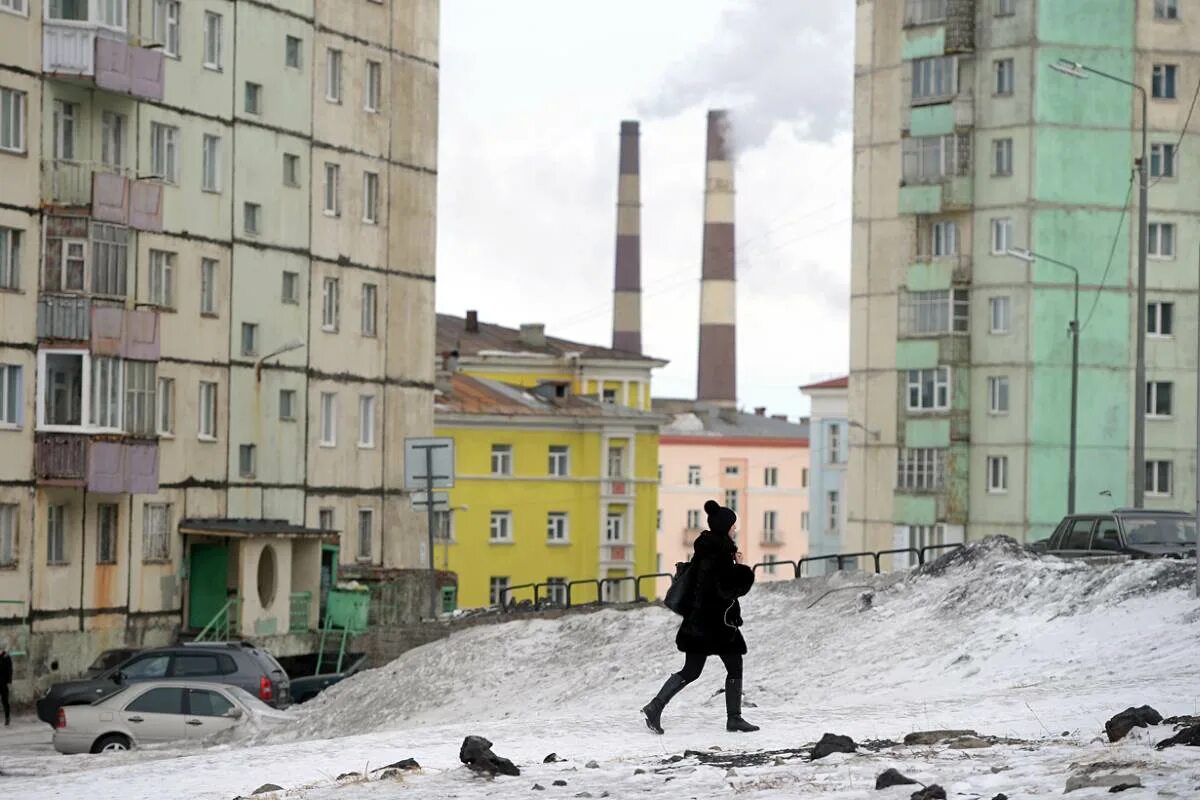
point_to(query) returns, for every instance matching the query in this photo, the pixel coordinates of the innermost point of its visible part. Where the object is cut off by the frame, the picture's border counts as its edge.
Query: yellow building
(557, 463)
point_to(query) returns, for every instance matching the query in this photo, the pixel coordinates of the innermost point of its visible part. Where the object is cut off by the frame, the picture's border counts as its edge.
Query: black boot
(652, 711)
(733, 707)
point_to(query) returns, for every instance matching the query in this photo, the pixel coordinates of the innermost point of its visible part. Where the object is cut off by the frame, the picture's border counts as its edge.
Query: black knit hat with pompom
(720, 519)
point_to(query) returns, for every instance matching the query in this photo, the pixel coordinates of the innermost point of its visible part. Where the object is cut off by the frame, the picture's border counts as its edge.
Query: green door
(209, 575)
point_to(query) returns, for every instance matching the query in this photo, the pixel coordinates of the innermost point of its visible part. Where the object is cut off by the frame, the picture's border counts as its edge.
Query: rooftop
(250, 527)
(470, 337)
(468, 394)
(834, 383)
(693, 418)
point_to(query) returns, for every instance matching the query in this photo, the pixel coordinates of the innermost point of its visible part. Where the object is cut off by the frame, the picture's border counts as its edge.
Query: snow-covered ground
(1037, 651)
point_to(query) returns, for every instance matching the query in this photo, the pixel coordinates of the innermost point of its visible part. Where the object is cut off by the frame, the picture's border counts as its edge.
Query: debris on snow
(592, 765)
(348, 776)
(832, 743)
(476, 753)
(1182, 722)
(552, 758)
(403, 764)
(537, 787)
(267, 788)
(892, 777)
(1088, 781)
(1121, 787)
(934, 737)
(1187, 736)
(560, 783)
(1119, 726)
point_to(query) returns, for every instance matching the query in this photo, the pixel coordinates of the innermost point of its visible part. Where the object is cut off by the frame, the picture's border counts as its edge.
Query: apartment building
(968, 144)
(216, 300)
(830, 428)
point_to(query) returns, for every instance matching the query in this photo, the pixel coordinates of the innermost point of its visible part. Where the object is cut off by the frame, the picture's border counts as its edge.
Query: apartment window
(287, 404)
(370, 197)
(247, 454)
(1160, 319)
(291, 288)
(156, 532)
(8, 534)
(1158, 478)
(920, 469)
(832, 508)
(210, 167)
(328, 419)
(998, 395)
(608, 396)
(929, 389)
(997, 474)
(502, 459)
(166, 25)
(693, 475)
(1161, 242)
(112, 138)
(497, 590)
(66, 117)
(1002, 157)
(252, 218)
(560, 460)
(11, 395)
(1158, 398)
(769, 519)
(804, 478)
(15, 6)
(1006, 8)
(501, 526)
(614, 527)
(804, 520)
(104, 411)
(164, 152)
(943, 239)
(658, 520)
(110, 251)
(927, 159)
(556, 526)
(998, 314)
(12, 120)
(166, 407)
(733, 470)
(1004, 76)
(56, 535)
(329, 304)
(935, 312)
(731, 500)
(920, 12)
(249, 339)
(333, 75)
(556, 591)
(934, 78)
(291, 52)
(325, 519)
(366, 421)
(68, 274)
(208, 287)
(1162, 83)
(10, 258)
(693, 519)
(373, 92)
(366, 527)
(291, 169)
(834, 443)
(1162, 160)
(207, 428)
(369, 293)
(141, 408)
(1166, 9)
(253, 98)
(212, 40)
(61, 397)
(771, 476)
(616, 462)
(333, 202)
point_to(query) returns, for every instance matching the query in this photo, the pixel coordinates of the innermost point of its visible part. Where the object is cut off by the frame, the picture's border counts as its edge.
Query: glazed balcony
(64, 318)
(109, 193)
(101, 465)
(99, 54)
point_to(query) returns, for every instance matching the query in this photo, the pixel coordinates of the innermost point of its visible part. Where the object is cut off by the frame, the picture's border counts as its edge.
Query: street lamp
(1028, 256)
(1081, 71)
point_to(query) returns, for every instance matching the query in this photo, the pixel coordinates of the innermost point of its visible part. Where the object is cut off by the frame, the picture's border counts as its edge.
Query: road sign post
(429, 465)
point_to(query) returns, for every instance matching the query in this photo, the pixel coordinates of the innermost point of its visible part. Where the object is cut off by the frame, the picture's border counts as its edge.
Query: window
(333, 202)
(1166, 9)
(66, 116)
(370, 197)
(104, 411)
(502, 459)
(608, 396)
(832, 508)
(771, 476)
(733, 470)
(291, 288)
(61, 398)
(693, 519)
(166, 25)
(1004, 76)
(369, 293)
(203, 703)
(1160, 319)
(1002, 157)
(69, 275)
(614, 527)
(943, 239)
(1158, 398)
(253, 98)
(1006, 8)
(769, 519)
(211, 164)
(366, 420)
(658, 520)
(151, 667)
(497, 590)
(1158, 478)
(333, 75)
(56, 535)
(1161, 237)
(998, 314)
(935, 312)
(207, 428)
(11, 391)
(1162, 160)
(560, 461)
(291, 52)
(834, 443)
(328, 419)
(920, 12)
(769, 561)
(372, 94)
(929, 389)
(8, 534)
(998, 395)
(252, 218)
(112, 138)
(556, 526)
(731, 500)
(158, 701)
(1001, 236)
(997, 474)
(249, 339)
(934, 78)
(1162, 84)
(164, 152)
(329, 304)
(366, 526)
(15, 6)
(10, 258)
(803, 520)
(287, 404)
(246, 460)
(12, 120)
(927, 159)
(156, 531)
(922, 536)
(141, 408)
(556, 591)
(291, 170)
(208, 287)
(693, 475)
(212, 40)
(166, 407)
(616, 462)
(920, 469)
(501, 526)
(325, 519)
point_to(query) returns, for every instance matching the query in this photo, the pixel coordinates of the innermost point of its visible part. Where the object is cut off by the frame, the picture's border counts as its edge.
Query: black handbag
(680, 590)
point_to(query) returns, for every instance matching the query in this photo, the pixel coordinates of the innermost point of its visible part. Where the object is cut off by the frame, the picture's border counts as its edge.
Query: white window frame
(206, 417)
(1164, 156)
(106, 402)
(141, 397)
(558, 527)
(934, 79)
(1158, 234)
(113, 133)
(999, 395)
(212, 40)
(330, 303)
(210, 163)
(56, 536)
(500, 529)
(694, 520)
(920, 469)
(287, 405)
(1155, 317)
(369, 322)
(65, 144)
(943, 239)
(997, 474)
(366, 533)
(999, 311)
(614, 527)
(833, 435)
(43, 385)
(559, 460)
(1005, 73)
(373, 87)
(942, 389)
(771, 477)
(1167, 77)
(1153, 390)
(929, 159)
(21, 9)
(1153, 475)
(694, 476)
(1001, 235)
(164, 152)
(502, 459)
(332, 190)
(1002, 157)
(73, 251)
(770, 526)
(935, 313)
(333, 75)
(615, 462)
(497, 587)
(208, 287)
(371, 198)
(10, 533)
(366, 421)
(327, 409)
(12, 392)
(10, 257)
(165, 23)
(164, 415)
(156, 532)
(13, 108)
(1166, 10)
(731, 500)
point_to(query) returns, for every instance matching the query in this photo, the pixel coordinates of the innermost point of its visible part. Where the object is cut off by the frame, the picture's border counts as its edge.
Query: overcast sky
(532, 96)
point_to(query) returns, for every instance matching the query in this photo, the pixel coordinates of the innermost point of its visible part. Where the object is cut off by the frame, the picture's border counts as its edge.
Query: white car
(155, 712)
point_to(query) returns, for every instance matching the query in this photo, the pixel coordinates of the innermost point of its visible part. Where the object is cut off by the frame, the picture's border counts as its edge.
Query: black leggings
(693, 665)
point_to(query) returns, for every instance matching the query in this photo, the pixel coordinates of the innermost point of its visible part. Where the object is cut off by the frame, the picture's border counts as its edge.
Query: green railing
(225, 626)
(299, 603)
(19, 646)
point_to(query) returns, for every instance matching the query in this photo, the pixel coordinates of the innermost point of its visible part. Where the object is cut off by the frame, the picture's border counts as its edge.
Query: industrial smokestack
(627, 291)
(717, 367)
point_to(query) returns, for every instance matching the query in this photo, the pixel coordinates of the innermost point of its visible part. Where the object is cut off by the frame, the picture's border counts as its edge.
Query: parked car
(1134, 532)
(109, 659)
(234, 663)
(154, 712)
(307, 683)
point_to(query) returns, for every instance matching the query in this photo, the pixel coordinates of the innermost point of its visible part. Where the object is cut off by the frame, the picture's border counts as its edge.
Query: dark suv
(1135, 532)
(238, 664)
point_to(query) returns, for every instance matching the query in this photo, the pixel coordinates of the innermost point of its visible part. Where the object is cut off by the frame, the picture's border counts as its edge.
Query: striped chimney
(717, 367)
(627, 291)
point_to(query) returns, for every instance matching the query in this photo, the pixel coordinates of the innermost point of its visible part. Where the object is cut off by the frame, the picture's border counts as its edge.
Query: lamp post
(1028, 256)
(1077, 70)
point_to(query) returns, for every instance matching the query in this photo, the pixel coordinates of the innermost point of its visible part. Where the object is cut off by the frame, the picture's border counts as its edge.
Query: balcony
(101, 56)
(64, 317)
(952, 193)
(110, 193)
(102, 465)
(771, 539)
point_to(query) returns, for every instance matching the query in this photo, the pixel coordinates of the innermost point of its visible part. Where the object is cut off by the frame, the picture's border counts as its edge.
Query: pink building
(753, 463)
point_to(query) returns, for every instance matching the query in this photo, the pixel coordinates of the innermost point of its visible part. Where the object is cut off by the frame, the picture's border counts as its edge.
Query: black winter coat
(710, 626)
(5, 669)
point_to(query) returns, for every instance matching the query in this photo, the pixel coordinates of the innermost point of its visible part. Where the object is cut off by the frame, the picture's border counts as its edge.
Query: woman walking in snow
(711, 619)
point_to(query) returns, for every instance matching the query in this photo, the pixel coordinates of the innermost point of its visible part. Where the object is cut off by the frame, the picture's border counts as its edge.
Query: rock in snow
(1085, 781)
(476, 753)
(832, 743)
(892, 777)
(406, 763)
(267, 788)
(933, 737)
(931, 792)
(1188, 736)
(1119, 726)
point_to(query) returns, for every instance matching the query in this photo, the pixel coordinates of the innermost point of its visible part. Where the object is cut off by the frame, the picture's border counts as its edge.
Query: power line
(1112, 252)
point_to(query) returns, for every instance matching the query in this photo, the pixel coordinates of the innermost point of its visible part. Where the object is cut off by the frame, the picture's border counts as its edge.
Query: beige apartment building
(216, 311)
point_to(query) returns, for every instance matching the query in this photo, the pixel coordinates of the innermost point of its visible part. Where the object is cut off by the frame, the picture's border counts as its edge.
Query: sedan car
(156, 712)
